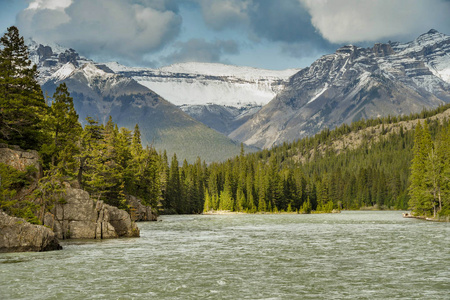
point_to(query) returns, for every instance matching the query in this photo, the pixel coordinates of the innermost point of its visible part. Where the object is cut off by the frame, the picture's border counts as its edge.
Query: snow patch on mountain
(64, 72)
(203, 92)
(355, 83)
(319, 93)
(92, 71)
(442, 66)
(215, 69)
(209, 83)
(52, 58)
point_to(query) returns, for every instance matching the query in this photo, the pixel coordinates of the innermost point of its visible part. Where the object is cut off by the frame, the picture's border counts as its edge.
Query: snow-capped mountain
(221, 96)
(223, 119)
(355, 83)
(98, 92)
(209, 83)
(350, 84)
(53, 58)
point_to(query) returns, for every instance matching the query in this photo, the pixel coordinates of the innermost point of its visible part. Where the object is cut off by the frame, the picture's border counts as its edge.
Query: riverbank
(228, 212)
(352, 255)
(425, 218)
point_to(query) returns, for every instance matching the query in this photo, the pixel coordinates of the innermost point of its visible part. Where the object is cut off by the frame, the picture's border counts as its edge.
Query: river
(352, 255)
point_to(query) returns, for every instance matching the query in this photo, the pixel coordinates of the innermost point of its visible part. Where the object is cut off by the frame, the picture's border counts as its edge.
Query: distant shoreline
(425, 218)
(228, 212)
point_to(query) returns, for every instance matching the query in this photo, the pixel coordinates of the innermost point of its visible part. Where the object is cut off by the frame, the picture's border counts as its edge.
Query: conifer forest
(383, 163)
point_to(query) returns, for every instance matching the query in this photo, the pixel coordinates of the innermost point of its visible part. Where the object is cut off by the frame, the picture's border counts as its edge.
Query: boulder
(80, 217)
(140, 212)
(17, 235)
(17, 158)
(77, 215)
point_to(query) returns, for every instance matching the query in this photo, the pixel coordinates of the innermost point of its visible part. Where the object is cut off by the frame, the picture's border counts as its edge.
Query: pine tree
(90, 141)
(433, 180)
(164, 180)
(208, 206)
(22, 104)
(148, 180)
(417, 190)
(227, 202)
(174, 201)
(250, 193)
(136, 144)
(306, 207)
(64, 130)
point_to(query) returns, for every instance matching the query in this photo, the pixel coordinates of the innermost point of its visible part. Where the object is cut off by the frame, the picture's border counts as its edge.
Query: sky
(270, 34)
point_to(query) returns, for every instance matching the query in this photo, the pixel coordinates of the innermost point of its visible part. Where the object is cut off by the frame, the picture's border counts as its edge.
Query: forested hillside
(363, 165)
(366, 164)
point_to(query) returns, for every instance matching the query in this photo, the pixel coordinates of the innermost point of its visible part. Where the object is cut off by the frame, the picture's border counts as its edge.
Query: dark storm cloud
(286, 21)
(201, 51)
(320, 25)
(225, 13)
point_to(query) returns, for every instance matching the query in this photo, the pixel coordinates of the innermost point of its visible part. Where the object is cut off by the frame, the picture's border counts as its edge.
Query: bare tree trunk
(440, 200)
(80, 172)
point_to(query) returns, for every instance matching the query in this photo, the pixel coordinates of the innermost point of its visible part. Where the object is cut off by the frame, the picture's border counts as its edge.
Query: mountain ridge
(99, 93)
(387, 79)
(354, 83)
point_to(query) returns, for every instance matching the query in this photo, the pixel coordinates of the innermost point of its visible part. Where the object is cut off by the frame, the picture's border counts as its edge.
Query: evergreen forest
(385, 163)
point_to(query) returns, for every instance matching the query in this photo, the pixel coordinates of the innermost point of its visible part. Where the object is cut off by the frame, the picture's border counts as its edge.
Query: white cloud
(107, 28)
(49, 4)
(224, 13)
(201, 50)
(366, 20)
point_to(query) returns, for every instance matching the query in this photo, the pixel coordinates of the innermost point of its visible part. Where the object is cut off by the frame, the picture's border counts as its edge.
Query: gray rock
(17, 235)
(17, 158)
(352, 84)
(80, 217)
(140, 212)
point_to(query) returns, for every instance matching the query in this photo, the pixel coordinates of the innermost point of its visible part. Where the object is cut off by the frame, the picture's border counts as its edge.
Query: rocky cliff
(76, 216)
(17, 158)
(355, 83)
(17, 235)
(80, 217)
(140, 212)
(100, 93)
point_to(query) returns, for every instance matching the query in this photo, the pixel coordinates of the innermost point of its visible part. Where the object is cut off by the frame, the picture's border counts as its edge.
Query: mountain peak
(347, 49)
(432, 35)
(90, 70)
(64, 72)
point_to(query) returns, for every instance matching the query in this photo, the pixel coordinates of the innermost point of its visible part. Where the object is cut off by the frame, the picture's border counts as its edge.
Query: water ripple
(363, 255)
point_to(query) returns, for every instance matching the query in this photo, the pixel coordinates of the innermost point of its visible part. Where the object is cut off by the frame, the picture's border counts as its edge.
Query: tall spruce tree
(417, 189)
(22, 104)
(173, 201)
(64, 131)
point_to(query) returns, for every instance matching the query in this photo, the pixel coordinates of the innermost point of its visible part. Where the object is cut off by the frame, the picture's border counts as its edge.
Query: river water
(352, 255)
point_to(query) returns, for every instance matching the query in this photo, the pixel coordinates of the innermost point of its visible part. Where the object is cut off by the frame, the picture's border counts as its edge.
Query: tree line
(376, 175)
(399, 170)
(108, 162)
(430, 172)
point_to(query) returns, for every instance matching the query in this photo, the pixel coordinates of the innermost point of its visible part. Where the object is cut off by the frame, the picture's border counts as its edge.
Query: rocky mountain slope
(350, 84)
(220, 96)
(99, 93)
(209, 83)
(224, 119)
(355, 83)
